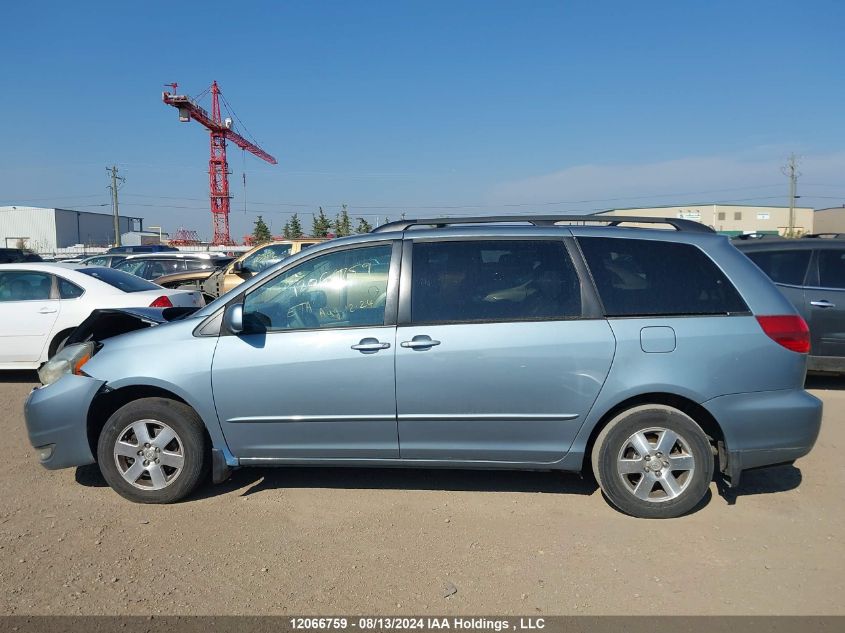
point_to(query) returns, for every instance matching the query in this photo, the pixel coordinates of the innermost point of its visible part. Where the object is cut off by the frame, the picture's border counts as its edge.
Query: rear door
(28, 311)
(825, 300)
(499, 355)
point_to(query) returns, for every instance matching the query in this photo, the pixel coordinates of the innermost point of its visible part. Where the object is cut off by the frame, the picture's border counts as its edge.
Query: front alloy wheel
(149, 454)
(153, 450)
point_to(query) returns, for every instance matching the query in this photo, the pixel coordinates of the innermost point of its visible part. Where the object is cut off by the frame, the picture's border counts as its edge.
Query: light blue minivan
(653, 357)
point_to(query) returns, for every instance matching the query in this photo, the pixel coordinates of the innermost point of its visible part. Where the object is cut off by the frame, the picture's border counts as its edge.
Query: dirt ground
(321, 541)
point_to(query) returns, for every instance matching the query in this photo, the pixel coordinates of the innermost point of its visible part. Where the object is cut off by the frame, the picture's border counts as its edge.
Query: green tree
(261, 232)
(321, 225)
(363, 226)
(342, 223)
(295, 228)
(286, 231)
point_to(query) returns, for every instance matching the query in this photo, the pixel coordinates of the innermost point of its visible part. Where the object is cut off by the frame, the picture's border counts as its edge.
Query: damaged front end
(109, 322)
(100, 325)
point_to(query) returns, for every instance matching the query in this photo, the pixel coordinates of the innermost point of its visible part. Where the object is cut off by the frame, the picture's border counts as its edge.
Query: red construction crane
(218, 168)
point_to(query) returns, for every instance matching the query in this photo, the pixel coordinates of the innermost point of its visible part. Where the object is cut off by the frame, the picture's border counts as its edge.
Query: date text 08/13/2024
(416, 623)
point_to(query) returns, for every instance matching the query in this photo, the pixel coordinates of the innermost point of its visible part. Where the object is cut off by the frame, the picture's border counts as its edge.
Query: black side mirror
(237, 267)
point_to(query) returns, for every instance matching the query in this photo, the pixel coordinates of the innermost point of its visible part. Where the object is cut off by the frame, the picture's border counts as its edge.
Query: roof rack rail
(679, 224)
(823, 235)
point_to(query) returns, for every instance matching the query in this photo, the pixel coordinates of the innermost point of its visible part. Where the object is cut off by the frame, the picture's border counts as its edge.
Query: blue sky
(461, 107)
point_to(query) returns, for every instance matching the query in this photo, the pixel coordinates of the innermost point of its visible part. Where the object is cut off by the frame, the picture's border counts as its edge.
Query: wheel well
(107, 402)
(58, 338)
(699, 414)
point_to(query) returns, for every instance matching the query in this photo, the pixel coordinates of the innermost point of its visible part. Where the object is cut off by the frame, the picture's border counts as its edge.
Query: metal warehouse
(45, 230)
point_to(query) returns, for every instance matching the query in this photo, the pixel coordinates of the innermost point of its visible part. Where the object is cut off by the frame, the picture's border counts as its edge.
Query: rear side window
(266, 257)
(783, 267)
(650, 277)
(832, 269)
(133, 266)
(25, 286)
(495, 280)
(118, 279)
(197, 264)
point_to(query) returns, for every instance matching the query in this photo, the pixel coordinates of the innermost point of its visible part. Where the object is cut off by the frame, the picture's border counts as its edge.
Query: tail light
(162, 302)
(790, 331)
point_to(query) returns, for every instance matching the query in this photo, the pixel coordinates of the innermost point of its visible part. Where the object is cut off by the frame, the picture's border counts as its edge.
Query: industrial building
(829, 220)
(735, 219)
(46, 230)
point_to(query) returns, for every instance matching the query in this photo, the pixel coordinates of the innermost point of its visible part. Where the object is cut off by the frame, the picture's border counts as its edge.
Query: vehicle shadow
(253, 480)
(90, 476)
(19, 376)
(263, 479)
(761, 482)
(825, 381)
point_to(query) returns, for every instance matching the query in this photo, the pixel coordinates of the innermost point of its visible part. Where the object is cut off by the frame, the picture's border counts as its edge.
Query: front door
(27, 312)
(494, 360)
(312, 374)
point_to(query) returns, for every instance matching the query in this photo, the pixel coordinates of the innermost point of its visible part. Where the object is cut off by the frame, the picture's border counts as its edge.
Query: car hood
(107, 323)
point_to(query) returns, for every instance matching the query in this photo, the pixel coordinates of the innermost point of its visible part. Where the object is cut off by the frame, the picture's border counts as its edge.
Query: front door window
(340, 289)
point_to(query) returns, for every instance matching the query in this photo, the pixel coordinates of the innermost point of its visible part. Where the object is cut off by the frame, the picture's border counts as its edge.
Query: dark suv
(17, 255)
(811, 273)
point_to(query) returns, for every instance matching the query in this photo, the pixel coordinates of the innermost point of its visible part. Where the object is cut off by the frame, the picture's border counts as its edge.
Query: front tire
(653, 461)
(153, 450)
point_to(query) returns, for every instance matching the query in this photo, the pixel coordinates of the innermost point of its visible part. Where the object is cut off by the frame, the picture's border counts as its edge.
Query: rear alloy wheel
(653, 461)
(153, 450)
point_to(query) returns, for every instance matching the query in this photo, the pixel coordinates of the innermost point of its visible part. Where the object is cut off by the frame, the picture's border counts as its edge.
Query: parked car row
(645, 356)
(42, 303)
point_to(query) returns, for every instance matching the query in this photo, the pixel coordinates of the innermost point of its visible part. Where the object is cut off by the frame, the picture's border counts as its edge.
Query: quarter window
(832, 269)
(783, 267)
(68, 290)
(340, 289)
(495, 280)
(649, 277)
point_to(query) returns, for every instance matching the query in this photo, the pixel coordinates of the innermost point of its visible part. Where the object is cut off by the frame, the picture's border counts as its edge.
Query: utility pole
(114, 178)
(790, 170)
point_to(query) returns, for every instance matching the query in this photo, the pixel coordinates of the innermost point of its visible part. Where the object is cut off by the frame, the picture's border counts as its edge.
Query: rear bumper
(57, 416)
(765, 428)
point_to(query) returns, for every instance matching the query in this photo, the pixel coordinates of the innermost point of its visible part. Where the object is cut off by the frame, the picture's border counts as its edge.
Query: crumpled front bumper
(57, 416)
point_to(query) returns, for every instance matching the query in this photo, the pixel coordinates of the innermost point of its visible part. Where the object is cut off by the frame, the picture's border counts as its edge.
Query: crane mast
(218, 168)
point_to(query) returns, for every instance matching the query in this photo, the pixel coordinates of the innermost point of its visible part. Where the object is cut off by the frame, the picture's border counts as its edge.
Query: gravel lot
(320, 541)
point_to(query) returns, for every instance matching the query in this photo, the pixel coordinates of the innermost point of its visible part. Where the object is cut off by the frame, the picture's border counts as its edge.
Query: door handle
(369, 345)
(823, 303)
(420, 341)
(47, 310)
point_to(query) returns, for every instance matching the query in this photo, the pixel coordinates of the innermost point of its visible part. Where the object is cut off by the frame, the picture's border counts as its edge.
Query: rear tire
(154, 450)
(58, 343)
(653, 462)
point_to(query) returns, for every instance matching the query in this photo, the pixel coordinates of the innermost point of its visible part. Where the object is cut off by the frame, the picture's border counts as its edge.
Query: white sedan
(42, 303)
